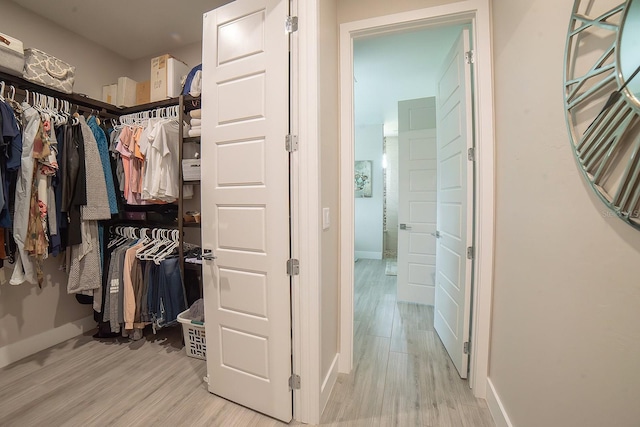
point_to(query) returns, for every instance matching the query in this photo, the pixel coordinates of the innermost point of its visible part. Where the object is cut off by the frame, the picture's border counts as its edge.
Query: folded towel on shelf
(196, 114)
(196, 122)
(195, 131)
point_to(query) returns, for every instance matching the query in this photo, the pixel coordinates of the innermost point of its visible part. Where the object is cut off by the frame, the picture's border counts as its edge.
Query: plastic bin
(195, 342)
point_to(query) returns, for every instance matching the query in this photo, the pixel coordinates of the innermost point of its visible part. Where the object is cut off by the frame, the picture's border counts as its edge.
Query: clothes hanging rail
(169, 112)
(60, 109)
(158, 243)
(81, 100)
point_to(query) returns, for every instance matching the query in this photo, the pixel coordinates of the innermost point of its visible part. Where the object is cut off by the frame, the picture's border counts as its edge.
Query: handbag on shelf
(11, 55)
(46, 70)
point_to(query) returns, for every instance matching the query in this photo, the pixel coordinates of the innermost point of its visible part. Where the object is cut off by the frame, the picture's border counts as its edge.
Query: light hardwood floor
(402, 374)
(402, 377)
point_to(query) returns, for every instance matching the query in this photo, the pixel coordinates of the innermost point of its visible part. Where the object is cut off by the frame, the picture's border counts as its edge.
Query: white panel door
(245, 204)
(417, 152)
(455, 204)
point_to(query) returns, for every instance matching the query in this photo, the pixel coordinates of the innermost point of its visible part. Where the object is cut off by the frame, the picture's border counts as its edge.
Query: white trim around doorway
(476, 12)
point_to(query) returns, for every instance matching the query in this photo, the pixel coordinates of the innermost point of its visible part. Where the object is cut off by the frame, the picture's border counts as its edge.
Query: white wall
(395, 67)
(368, 210)
(95, 65)
(190, 55)
(565, 334)
(329, 130)
(26, 310)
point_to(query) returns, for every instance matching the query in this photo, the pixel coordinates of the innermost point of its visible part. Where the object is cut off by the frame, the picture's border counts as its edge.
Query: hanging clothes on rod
(55, 188)
(143, 285)
(146, 146)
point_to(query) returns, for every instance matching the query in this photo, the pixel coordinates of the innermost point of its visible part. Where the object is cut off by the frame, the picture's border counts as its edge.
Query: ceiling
(133, 29)
(395, 67)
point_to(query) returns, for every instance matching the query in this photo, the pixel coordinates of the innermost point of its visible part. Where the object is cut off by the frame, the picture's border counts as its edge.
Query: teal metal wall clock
(602, 100)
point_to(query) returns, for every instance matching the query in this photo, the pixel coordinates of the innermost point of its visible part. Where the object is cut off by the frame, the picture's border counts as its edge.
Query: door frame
(305, 212)
(478, 13)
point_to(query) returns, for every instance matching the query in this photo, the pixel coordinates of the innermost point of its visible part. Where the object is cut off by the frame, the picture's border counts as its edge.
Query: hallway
(402, 374)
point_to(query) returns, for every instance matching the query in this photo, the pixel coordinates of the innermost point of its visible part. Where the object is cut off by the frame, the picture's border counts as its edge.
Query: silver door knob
(436, 234)
(207, 255)
(405, 227)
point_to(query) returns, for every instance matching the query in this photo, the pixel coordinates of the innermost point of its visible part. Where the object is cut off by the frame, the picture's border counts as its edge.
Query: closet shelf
(150, 106)
(74, 98)
(84, 100)
(192, 182)
(191, 224)
(192, 139)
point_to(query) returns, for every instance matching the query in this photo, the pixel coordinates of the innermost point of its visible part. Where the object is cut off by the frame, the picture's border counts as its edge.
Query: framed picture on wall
(363, 178)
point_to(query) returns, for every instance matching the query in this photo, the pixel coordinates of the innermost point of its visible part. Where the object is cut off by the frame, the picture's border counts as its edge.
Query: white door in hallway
(417, 152)
(245, 204)
(455, 204)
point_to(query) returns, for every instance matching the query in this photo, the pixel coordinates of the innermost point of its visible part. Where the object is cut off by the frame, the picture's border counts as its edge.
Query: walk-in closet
(101, 249)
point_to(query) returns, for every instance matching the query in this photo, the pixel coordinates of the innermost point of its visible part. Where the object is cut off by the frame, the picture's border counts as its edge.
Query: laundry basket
(195, 342)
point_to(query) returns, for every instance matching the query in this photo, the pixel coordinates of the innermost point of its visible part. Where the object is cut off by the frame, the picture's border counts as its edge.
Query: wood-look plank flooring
(402, 374)
(402, 377)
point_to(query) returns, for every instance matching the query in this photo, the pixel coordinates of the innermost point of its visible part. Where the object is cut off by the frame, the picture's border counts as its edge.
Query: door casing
(476, 13)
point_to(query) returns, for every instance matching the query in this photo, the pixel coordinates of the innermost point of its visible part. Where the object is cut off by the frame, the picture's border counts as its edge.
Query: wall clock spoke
(593, 90)
(629, 178)
(611, 125)
(600, 21)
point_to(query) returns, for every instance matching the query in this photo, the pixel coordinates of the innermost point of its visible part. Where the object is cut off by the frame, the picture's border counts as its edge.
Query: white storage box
(126, 96)
(11, 55)
(167, 73)
(110, 93)
(195, 342)
(191, 169)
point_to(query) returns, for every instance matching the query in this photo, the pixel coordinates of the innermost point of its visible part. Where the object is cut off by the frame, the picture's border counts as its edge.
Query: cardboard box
(166, 77)
(109, 93)
(143, 92)
(126, 92)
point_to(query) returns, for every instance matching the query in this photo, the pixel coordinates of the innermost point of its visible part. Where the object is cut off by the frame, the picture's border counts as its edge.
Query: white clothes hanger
(162, 255)
(151, 246)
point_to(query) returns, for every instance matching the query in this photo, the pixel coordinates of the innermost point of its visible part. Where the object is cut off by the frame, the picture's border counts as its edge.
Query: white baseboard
(328, 383)
(21, 349)
(368, 255)
(496, 408)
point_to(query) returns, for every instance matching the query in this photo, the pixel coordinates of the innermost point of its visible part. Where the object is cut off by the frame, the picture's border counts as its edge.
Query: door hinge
(291, 24)
(294, 382)
(470, 252)
(293, 267)
(471, 154)
(469, 57)
(291, 143)
(467, 348)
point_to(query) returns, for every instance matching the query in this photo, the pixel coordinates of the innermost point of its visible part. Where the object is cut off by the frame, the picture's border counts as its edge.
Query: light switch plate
(326, 220)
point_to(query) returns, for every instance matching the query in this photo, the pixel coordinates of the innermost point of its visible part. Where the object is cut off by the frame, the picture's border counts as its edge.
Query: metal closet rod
(21, 95)
(82, 102)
